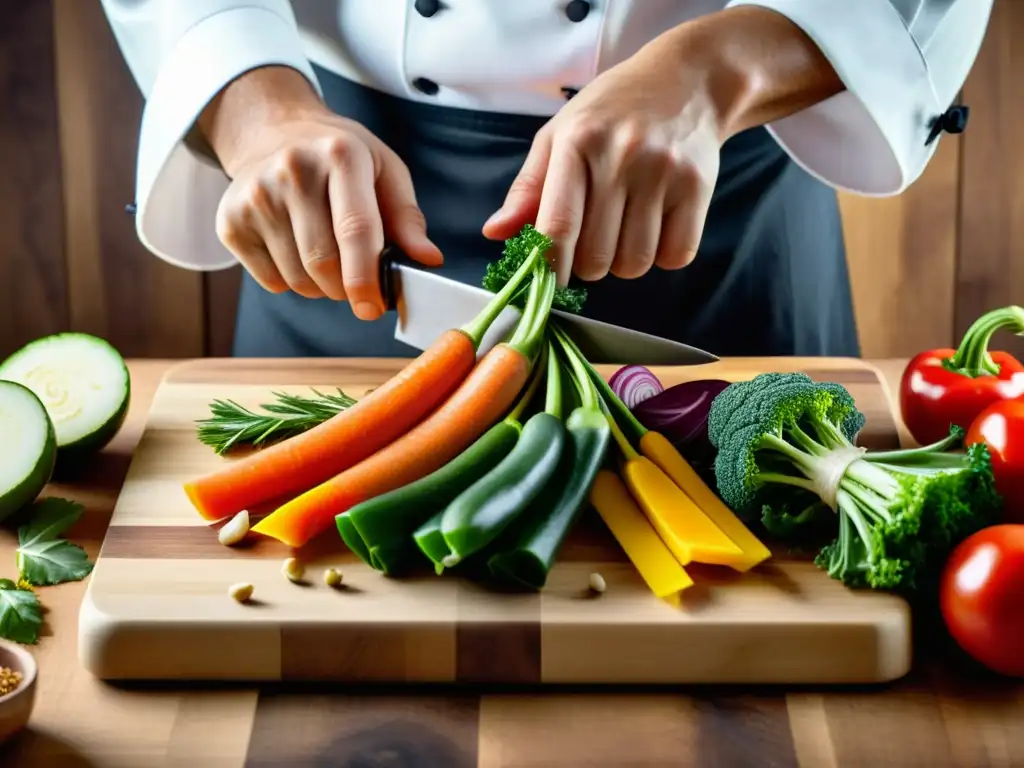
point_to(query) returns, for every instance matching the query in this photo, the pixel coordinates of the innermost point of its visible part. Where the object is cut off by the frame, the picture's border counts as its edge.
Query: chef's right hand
(313, 195)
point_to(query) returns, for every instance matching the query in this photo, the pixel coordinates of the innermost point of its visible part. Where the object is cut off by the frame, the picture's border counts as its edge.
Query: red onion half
(680, 413)
(633, 384)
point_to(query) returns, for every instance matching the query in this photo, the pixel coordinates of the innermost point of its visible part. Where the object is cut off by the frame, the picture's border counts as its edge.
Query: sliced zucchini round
(28, 448)
(83, 383)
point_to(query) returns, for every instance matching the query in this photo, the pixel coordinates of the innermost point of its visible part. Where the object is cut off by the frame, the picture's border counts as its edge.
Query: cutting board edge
(178, 373)
(103, 640)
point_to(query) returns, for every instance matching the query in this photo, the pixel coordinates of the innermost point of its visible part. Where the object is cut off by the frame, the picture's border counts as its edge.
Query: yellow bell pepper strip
(661, 452)
(641, 543)
(686, 530)
(658, 449)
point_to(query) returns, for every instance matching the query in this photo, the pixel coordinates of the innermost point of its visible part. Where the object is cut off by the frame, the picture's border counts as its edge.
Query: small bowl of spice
(17, 688)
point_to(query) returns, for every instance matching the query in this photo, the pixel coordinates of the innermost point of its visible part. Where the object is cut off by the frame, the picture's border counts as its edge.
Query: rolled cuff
(178, 189)
(871, 139)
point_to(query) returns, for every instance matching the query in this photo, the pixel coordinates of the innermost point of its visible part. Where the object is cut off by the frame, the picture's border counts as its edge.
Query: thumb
(404, 223)
(523, 200)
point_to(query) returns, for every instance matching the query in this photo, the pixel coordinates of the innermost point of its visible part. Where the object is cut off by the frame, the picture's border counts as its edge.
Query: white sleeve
(181, 54)
(902, 62)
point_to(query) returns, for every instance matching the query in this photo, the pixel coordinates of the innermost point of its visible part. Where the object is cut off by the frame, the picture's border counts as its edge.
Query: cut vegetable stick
(483, 398)
(310, 458)
(641, 543)
(686, 530)
(658, 449)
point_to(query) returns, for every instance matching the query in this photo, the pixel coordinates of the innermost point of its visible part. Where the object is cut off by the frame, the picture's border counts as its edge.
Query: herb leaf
(53, 562)
(20, 615)
(43, 558)
(231, 425)
(49, 518)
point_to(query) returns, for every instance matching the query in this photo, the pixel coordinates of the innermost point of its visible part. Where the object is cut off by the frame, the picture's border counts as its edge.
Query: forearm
(258, 97)
(756, 65)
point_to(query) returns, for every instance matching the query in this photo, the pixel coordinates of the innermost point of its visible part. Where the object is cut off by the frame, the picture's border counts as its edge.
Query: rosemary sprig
(231, 424)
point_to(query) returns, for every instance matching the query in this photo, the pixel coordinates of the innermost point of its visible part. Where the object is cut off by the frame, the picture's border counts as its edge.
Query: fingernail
(367, 310)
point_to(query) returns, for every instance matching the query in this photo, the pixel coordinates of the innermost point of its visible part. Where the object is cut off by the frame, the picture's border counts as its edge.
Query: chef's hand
(621, 178)
(313, 195)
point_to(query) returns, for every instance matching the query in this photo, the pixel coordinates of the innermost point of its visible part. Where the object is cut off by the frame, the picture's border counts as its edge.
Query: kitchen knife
(428, 304)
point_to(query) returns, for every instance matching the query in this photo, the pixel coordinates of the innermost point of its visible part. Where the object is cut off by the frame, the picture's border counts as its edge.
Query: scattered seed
(597, 583)
(240, 592)
(332, 578)
(9, 680)
(293, 570)
(235, 529)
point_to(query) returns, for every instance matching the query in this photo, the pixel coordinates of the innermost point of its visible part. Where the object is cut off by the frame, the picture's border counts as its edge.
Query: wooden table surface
(942, 714)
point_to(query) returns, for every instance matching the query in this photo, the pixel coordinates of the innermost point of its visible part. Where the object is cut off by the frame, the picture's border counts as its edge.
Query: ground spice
(9, 680)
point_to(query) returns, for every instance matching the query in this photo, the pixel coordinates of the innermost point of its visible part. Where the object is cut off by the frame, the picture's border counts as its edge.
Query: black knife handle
(388, 257)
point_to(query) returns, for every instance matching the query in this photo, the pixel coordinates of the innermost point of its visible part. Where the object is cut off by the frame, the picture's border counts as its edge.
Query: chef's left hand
(622, 176)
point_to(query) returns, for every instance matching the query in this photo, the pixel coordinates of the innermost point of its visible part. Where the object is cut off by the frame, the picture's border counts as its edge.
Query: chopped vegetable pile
(482, 465)
(479, 466)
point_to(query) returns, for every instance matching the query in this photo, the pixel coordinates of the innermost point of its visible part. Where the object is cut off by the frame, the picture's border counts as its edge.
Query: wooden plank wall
(923, 264)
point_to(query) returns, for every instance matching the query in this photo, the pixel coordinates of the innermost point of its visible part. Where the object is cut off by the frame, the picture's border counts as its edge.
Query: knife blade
(428, 304)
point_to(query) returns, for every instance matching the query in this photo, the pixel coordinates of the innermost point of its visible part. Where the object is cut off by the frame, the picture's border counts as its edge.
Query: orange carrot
(483, 398)
(310, 458)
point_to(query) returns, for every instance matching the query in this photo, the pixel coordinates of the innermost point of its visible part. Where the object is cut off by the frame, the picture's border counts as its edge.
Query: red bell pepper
(1001, 428)
(945, 387)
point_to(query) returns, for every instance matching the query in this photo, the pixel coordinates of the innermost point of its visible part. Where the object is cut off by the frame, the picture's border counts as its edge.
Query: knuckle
(260, 199)
(631, 140)
(688, 176)
(410, 214)
(352, 225)
(558, 225)
(291, 168)
(586, 134)
(321, 259)
(341, 149)
(633, 266)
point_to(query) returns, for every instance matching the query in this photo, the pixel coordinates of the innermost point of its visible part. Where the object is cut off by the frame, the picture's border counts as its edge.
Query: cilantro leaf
(48, 519)
(43, 563)
(20, 616)
(45, 559)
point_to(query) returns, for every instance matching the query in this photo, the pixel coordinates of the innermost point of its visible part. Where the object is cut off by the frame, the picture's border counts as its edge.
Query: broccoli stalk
(516, 251)
(786, 448)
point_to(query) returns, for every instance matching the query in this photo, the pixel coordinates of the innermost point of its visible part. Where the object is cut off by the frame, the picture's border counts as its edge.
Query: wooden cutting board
(157, 604)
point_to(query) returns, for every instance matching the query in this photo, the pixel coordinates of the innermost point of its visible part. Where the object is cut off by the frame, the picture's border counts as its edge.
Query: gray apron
(770, 276)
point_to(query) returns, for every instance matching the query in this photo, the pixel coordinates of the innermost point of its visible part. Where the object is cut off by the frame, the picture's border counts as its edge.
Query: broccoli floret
(517, 249)
(786, 452)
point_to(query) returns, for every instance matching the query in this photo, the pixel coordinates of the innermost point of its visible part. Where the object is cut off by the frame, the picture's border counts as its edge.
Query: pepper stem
(972, 357)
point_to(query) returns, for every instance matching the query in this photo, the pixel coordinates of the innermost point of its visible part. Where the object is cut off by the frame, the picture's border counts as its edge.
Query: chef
(684, 155)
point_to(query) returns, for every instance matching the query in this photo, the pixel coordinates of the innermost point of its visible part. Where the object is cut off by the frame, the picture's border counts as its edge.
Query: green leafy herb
(43, 557)
(517, 250)
(21, 616)
(232, 425)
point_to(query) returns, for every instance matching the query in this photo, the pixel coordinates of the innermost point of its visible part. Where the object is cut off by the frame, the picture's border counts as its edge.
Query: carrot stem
(477, 328)
(529, 334)
(553, 399)
(516, 414)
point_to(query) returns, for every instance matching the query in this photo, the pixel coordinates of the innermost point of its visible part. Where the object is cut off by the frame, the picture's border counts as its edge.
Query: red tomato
(982, 597)
(1001, 427)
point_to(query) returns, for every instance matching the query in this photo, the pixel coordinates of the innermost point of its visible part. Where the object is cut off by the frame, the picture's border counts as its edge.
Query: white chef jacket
(902, 62)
